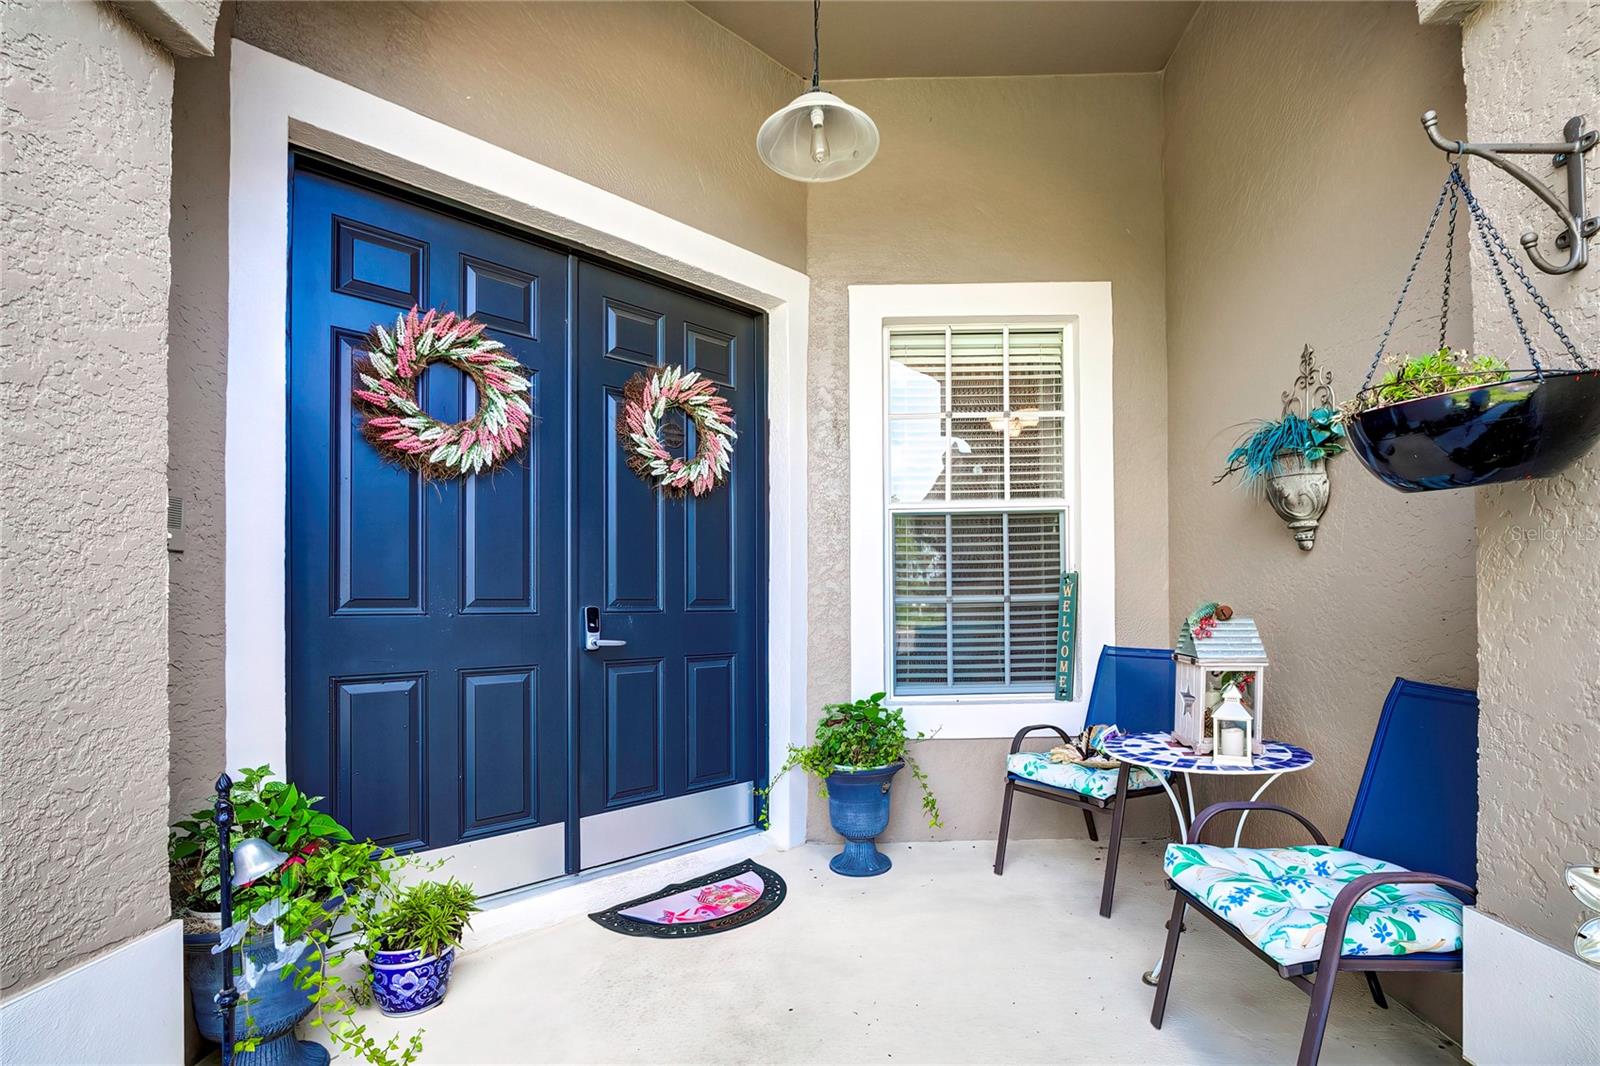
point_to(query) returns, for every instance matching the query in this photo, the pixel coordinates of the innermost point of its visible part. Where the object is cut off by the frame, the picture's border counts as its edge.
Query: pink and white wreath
(647, 397)
(403, 433)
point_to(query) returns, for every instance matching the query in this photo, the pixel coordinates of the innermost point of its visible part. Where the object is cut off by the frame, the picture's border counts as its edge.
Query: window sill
(988, 717)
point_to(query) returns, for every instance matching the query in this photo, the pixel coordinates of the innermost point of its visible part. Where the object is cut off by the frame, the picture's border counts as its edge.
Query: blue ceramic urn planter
(858, 805)
(404, 982)
(273, 1007)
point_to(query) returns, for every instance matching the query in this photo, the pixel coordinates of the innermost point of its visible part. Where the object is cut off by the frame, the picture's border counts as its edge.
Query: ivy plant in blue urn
(859, 748)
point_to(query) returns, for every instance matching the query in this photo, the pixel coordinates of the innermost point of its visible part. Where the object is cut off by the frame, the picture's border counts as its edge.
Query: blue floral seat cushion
(1279, 899)
(1075, 777)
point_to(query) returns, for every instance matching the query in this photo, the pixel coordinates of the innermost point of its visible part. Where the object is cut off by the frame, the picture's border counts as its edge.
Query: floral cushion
(1075, 777)
(1280, 897)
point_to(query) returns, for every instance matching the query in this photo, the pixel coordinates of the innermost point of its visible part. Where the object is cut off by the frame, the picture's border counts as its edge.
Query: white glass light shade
(817, 137)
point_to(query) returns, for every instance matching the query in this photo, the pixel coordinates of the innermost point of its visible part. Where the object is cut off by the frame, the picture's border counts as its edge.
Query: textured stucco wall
(197, 378)
(652, 101)
(1529, 67)
(989, 180)
(1297, 184)
(87, 161)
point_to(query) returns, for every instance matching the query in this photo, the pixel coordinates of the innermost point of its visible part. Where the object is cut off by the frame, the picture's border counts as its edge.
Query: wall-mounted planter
(1524, 428)
(1298, 490)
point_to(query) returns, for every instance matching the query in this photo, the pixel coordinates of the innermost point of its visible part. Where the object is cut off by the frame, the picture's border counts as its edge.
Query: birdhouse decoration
(1232, 729)
(1216, 651)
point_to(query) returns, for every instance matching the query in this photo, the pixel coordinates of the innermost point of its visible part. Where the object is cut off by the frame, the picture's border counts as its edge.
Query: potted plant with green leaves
(1286, 461)
(410, 937)
(859, 747)
(305, 872)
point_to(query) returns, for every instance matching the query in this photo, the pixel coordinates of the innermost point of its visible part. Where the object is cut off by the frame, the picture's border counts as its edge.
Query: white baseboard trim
(1523, 1001)
(125, 1006)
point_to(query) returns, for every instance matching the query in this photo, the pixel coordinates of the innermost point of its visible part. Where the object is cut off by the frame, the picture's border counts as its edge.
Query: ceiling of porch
(958, 38)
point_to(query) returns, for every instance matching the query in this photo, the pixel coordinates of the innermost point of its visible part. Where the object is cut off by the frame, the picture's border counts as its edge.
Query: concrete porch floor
(936, 961)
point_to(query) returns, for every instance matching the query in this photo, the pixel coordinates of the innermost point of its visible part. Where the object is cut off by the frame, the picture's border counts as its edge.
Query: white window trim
(1090, 514)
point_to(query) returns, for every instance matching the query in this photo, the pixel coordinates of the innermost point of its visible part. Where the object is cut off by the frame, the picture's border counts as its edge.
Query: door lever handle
(592, 640)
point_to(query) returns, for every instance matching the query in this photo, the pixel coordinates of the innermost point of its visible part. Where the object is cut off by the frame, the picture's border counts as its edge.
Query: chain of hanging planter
(1449, 419)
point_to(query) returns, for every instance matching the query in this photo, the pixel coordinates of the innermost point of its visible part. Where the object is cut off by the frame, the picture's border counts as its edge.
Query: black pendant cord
(816, 45)
(1494, 246)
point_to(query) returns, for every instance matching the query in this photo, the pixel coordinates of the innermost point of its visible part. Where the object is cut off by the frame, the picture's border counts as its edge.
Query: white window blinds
(977, 507)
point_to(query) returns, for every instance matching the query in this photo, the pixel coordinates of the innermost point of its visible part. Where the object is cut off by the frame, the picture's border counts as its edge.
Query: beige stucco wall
(1297, 184)
(990, 180)
(651, 101)
(1529, 67)
(83, 725)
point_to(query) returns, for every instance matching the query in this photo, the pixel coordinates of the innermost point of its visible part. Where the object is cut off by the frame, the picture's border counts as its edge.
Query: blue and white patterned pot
(403, 982)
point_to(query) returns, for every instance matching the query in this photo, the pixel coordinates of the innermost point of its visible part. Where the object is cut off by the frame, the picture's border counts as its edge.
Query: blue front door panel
(438, 693)
(674, 711)
(428, 622)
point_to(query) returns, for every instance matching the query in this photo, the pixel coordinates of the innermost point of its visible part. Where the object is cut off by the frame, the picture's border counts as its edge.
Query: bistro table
(1164, 756)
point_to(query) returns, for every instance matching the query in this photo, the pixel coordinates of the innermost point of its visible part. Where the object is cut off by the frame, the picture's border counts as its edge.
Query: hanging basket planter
(1526, 427)
(1448, 420)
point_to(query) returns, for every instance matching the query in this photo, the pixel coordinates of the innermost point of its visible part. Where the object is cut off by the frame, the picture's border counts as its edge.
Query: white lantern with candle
(1232, 726)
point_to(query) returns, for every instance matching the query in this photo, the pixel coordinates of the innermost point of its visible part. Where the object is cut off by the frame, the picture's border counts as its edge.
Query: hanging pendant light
(817, 136)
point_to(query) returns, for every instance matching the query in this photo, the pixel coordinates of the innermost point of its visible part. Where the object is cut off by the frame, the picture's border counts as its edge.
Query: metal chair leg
(1119, 805)
(1005, 829)
(1376, 989)
(1317, 1015)
(1088, 820)
(1168, 958)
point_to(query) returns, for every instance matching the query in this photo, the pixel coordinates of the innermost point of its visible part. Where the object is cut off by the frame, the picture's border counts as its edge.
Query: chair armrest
(1016, 741)
(1350, 895)
(1244, 805)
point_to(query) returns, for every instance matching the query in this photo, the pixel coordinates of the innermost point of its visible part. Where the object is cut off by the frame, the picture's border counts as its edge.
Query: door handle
(592, 640)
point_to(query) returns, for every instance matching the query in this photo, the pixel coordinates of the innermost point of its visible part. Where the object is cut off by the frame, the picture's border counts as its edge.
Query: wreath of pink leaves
(403, 433)
(646, 399)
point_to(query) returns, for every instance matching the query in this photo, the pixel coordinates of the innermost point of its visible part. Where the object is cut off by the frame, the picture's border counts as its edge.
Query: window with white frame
(978, 484)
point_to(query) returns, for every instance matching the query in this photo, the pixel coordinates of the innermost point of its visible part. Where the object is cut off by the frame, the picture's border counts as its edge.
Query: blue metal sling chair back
(1417, 808)
(1133, 690)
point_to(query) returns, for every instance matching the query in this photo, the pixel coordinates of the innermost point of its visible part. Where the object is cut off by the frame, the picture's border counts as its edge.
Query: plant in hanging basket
(1447, 419)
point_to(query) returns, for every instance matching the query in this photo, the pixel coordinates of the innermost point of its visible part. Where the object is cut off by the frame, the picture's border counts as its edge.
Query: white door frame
(277, 104)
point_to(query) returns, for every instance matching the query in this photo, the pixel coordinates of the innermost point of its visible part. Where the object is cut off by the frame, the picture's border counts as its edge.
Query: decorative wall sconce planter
(1286, 460)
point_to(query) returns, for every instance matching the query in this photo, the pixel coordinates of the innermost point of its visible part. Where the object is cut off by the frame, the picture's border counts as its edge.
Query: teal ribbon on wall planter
(1067, 636)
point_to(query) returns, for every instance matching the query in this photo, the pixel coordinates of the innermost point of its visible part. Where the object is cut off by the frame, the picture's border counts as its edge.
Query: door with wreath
(459, 496)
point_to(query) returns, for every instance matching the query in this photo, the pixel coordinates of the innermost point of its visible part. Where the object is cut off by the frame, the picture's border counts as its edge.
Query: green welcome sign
(1067, 637)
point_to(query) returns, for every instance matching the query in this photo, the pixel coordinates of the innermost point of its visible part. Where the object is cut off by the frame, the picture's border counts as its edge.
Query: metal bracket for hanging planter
(1577, 227)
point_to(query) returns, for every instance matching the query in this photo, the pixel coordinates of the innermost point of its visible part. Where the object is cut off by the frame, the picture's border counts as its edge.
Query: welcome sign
(1067, 636)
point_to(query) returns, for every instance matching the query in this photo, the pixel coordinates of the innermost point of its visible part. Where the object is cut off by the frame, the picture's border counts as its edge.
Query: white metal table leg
(1239, 832)
(1153, 974)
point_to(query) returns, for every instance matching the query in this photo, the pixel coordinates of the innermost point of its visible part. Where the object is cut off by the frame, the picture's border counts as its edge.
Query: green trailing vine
(860, 735)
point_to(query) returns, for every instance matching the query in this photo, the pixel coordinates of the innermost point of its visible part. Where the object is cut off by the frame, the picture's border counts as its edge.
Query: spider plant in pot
(410, 937)
(1286, 461)
(859, 747)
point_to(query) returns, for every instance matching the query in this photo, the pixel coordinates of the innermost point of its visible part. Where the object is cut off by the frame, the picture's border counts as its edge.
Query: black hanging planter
(1531, 424)
(1526, 427)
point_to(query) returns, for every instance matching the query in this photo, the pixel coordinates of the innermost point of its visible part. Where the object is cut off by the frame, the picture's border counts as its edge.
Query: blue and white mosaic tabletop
(1158, 751)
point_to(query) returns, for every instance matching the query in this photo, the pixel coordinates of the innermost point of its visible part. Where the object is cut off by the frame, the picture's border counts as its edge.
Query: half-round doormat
(715, 903)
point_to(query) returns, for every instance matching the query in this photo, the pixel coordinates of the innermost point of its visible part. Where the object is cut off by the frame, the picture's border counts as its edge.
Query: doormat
(730, 898)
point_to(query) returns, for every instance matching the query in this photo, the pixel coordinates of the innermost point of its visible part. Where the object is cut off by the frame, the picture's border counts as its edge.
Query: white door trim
(1086, 307)
(275, 104)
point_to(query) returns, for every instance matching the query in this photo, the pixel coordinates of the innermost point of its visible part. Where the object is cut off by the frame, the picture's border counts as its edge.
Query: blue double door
(442, 692)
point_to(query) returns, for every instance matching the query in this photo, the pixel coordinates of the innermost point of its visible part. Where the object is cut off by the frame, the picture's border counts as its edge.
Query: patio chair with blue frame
(1133, 690)
(1387, 900)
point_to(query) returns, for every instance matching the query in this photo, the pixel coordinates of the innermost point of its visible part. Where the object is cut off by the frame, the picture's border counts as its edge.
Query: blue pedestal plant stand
(858, 805)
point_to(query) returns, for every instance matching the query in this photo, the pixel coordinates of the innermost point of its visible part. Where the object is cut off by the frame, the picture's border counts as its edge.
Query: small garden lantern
(1232, 727)
(1216, 651)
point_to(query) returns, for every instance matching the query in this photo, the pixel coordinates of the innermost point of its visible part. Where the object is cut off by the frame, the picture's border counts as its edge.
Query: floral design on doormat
(719, 901)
